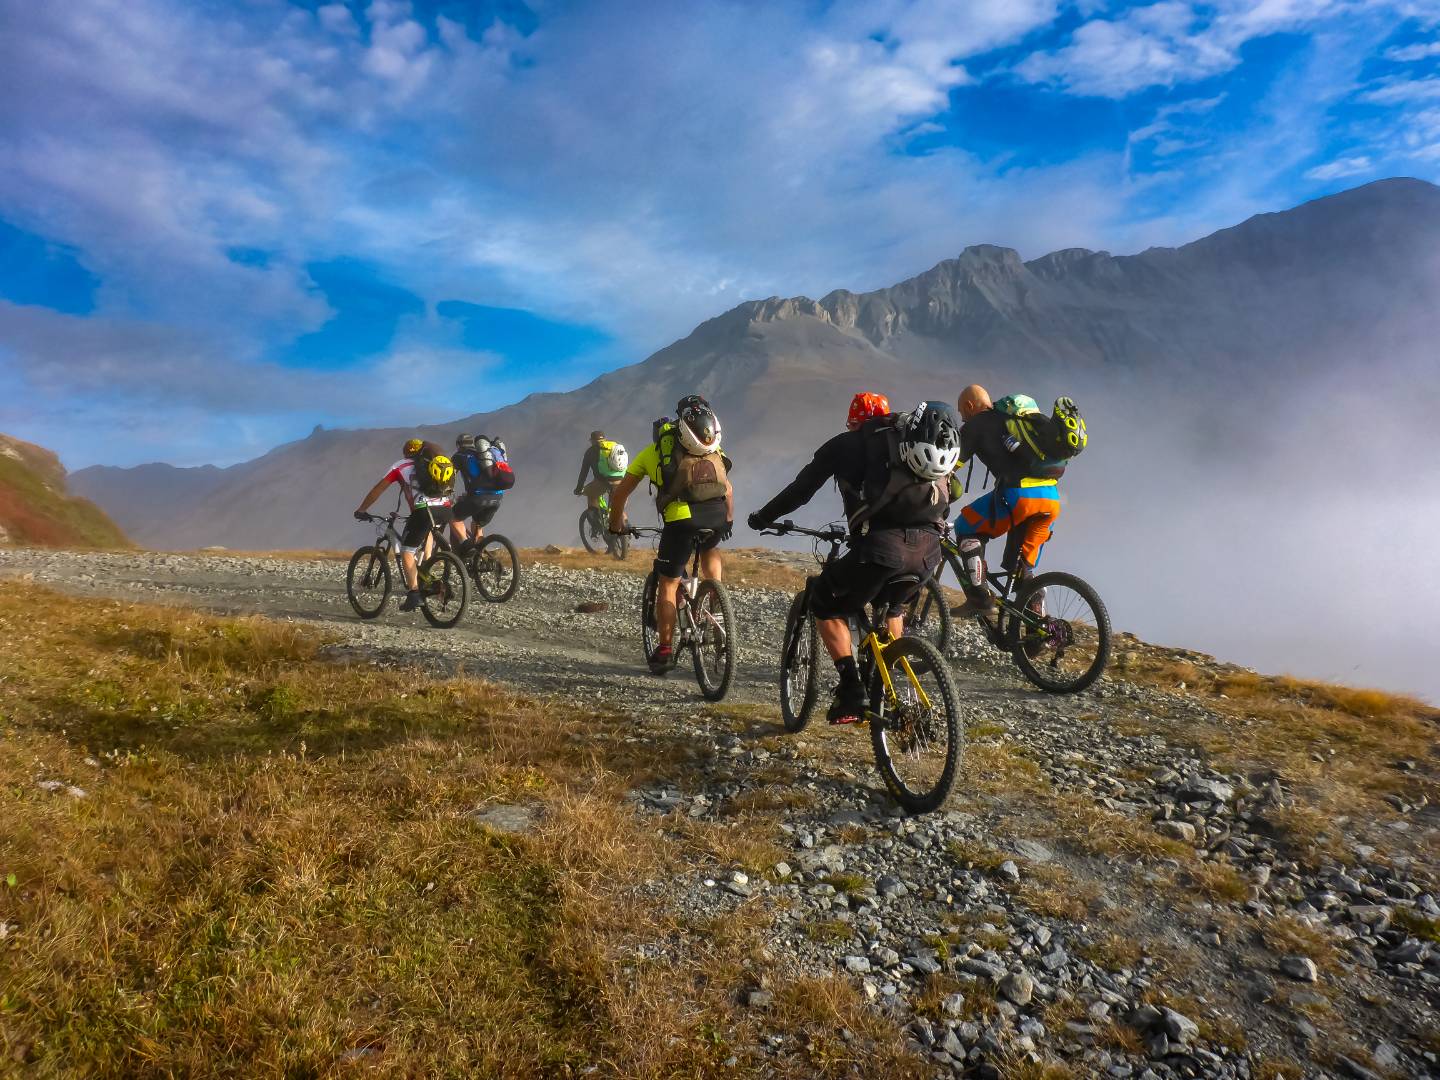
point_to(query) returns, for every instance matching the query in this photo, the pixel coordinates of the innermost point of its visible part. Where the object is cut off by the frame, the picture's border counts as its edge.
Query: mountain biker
(894, 476)
(475, 458)
(598, 460)
(426, 478)
(1021, 504)
(693, 494)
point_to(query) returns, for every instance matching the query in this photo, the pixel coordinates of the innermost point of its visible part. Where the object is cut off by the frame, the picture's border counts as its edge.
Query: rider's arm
(617, 500)
(373, 494)
(810, 480)
(592, 455)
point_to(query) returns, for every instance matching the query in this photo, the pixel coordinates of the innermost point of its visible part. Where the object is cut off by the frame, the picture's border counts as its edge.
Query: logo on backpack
(1049, 442)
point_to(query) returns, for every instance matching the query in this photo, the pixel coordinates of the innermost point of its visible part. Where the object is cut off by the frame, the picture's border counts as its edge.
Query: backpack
(1048, 442)
(495, 473)
(891, 487)
(612, 460)
(685, 476)
(424, 482)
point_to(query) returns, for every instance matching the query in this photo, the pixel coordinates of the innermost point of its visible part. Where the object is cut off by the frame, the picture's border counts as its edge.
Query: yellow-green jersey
(646, 465)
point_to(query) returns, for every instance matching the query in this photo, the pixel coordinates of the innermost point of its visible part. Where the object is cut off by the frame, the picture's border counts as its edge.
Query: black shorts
(417, 525)
(678, 541)
(478, 508)
(861, 576)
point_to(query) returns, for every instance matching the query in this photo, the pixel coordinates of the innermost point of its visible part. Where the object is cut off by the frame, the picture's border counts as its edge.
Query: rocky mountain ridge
(36, 508)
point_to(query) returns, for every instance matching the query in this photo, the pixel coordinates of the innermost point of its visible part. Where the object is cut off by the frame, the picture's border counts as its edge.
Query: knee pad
(971, 558)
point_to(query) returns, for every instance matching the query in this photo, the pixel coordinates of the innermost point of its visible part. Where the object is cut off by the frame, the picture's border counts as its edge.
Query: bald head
(974, 399)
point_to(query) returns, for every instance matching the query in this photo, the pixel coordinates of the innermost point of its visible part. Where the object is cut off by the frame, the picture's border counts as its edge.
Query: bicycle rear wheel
(442, 589)
(928, 615)
(592, 533)
(916, 734)
(367, 581)
(1061, 639)
(714, 646)
(495, 566)
(799, 659)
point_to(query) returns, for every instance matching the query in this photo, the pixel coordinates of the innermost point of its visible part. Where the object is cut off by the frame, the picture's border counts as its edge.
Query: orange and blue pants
(1030, 510)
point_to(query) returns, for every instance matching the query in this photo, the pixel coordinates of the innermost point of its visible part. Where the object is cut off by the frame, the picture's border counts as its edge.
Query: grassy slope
(273, 869)
(35, 508)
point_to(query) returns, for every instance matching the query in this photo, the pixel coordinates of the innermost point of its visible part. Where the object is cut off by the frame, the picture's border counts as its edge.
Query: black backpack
(891, 490)
(1049, 442)
(424, 482)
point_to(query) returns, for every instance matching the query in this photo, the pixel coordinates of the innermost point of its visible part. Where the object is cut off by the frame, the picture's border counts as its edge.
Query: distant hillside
(1277, 302)
(35, 507)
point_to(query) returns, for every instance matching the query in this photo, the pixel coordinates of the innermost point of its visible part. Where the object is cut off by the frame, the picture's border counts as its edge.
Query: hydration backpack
(612, 460)
(493, 465)
(691, 478)
(890, 487)
(1049, 442)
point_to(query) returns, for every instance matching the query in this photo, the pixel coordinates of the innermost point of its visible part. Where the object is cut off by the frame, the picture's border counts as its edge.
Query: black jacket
(588, 464)
(984, 436)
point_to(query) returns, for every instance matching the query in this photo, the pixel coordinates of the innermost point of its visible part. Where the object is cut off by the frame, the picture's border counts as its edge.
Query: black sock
(849, 673)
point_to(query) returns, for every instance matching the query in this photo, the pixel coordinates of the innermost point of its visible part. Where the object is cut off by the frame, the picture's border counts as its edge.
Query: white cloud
(1406, 54)
(1334, 170)
(1403, 91)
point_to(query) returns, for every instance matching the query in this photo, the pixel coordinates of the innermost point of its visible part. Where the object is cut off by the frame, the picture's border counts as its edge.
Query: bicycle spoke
(915, 725)
(1063, 635)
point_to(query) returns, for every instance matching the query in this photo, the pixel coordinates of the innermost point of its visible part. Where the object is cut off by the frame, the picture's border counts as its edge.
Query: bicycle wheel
(620, 546)
(495, 566)
(916, 733)
(799, 659)
(1061, 639)
(928, 615)
(714, 646)
(367, 581)
(442, 589)
(649, 635)
(592, 533)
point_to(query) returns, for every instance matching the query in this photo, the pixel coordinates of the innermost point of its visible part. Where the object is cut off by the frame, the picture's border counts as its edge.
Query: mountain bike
(595, 530)
(1054, 625)
(704, 622)
(913, 709)
(369, 578)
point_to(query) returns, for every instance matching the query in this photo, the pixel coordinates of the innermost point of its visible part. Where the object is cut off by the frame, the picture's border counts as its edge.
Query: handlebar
(379, 517)
(832, 534)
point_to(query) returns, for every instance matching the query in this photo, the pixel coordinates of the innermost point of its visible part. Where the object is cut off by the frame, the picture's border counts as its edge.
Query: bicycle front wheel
(799, 660)
(714, 643)
(367, 581)
(495, 566)
(442, 589)
(1060, 637)
(649, 632)
(928, 616)
(915, 724)
(620, 546)
(592, 533)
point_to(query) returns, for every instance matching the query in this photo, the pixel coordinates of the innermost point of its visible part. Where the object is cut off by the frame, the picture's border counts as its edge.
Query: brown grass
(274, 870)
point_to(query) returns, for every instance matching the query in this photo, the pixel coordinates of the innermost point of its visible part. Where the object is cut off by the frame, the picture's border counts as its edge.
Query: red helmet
(866, 407)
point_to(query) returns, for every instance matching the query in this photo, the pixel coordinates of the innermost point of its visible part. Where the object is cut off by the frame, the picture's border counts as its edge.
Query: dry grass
(274, 870)
(1285, 934)
(1418, 925)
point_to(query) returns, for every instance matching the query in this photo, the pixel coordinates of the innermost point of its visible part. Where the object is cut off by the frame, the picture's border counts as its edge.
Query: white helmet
(930, 440)
(698, 427)
(619, 457)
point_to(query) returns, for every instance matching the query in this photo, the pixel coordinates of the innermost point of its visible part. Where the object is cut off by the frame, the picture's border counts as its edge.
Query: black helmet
(596, 436)
(930, 440)
(690, 401)
(464, 442)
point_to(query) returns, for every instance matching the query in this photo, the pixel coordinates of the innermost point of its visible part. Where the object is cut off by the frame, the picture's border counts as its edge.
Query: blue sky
(221, 224)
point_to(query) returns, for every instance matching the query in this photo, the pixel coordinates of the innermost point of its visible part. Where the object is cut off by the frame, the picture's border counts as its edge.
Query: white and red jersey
(403, 473)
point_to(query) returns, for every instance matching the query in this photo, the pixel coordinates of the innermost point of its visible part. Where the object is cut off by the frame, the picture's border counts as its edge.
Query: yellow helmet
(442, 469)
(413, 447)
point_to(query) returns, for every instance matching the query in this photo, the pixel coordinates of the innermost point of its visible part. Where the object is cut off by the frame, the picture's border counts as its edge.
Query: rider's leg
(407, 567)
(711, 565)
(981, 520)
(665, 608)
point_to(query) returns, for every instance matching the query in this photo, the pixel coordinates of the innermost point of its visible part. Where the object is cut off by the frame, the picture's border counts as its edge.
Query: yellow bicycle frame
(877, 650)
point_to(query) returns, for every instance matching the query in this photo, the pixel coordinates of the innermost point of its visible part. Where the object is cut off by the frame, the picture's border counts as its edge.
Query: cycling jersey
(646, 465)
(403, 473)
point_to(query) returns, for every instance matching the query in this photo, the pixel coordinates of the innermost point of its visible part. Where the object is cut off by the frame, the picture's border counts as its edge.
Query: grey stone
(951, 1045)
(1017, 987)
(1299, 967)
(1177, 830)
(857, 965)
(1355, 1069)
(1010, 872)
(1198, 789)
(1179, 1027)
(507, 818)
(759, 999)
(953, 1004)
(884, 957)
(993, 972)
